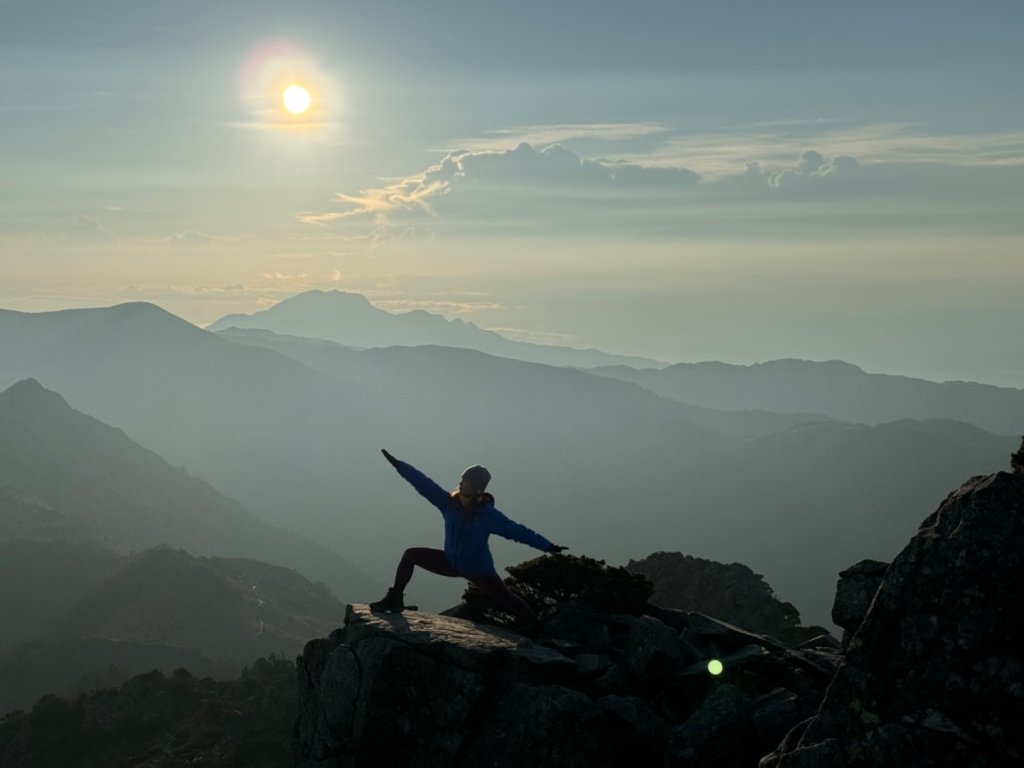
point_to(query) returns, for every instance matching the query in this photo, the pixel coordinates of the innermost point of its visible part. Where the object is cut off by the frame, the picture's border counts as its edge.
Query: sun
(296, 99)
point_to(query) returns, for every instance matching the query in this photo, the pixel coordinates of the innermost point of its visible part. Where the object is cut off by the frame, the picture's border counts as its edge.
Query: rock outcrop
(857, 587)
(730, 591)
(595, 689)
(933, 676)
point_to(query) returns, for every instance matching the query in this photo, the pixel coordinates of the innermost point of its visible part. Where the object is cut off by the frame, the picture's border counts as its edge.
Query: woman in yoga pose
(469, 519)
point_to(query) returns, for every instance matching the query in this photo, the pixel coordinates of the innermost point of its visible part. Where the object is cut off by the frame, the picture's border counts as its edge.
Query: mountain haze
(377, 369)
(41, 580)
(839, 390)
(350, 319)
(604, 466)
(59, 464)
(120, 615)
(227, 608)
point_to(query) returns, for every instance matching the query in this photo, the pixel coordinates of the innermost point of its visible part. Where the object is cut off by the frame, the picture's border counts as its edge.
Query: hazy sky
(739, 181)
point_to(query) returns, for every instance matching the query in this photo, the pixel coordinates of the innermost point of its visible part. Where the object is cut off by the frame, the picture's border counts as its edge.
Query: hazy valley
(292, 428)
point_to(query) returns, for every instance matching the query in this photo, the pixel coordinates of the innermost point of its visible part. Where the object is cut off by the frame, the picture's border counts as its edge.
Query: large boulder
(933, 676)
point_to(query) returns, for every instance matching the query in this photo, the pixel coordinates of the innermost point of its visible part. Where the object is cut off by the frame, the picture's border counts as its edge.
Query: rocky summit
(593, 689)
(933, 675)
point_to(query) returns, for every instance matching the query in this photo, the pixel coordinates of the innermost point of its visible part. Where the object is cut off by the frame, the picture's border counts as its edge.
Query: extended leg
(433, 560)
(507, 600)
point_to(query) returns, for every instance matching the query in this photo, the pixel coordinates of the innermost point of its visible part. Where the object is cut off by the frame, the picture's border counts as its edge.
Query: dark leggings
(435, 561)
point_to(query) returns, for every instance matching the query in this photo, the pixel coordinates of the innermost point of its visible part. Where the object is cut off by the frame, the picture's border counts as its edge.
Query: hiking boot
(393, 602)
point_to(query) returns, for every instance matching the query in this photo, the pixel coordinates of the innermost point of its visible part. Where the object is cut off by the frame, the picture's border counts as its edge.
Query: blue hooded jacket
(465, 534)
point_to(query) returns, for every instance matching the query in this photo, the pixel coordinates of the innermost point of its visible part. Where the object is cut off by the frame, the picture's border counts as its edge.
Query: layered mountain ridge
(87, 617)
(65, 475)
(293, 431)
(350, 319)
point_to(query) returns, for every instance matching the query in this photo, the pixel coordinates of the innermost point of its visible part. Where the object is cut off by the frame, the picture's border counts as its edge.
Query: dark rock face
(731, 592)
(933, 677)
(597, 689)
(857, 587)
(718, 735)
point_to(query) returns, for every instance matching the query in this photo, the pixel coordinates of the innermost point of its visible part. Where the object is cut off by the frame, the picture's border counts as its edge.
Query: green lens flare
(715, 667)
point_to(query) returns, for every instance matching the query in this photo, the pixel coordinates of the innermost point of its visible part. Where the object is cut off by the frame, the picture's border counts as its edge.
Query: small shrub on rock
(546, 582)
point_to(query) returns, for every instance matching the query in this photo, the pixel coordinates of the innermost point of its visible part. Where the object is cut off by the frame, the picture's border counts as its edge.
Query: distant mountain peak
(31, 392)
(821, 365)
(317, 295)
(142, 309)
(352, 320)
(25, 386)
(138, 306)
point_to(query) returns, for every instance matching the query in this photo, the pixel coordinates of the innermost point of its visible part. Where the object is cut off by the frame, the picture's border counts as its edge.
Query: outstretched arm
(424, 486)
(519, 532)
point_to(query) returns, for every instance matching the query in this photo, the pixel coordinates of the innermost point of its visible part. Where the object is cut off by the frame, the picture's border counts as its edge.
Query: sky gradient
(739, 181)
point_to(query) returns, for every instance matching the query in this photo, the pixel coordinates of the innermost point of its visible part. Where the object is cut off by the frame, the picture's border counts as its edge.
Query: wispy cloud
(543, 135)
(86, 230)
(439, 306)
(191, 237)
(409, 195)
(775, 145)
(313, 128)
(161, 292)
(305, 255)
(536, 337)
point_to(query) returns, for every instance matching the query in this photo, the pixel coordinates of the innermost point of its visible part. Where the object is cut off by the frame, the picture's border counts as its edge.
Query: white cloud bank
(551, 190)
(553, 170)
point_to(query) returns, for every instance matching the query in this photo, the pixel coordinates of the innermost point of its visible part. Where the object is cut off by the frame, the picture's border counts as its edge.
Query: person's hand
(556, 549)
(391, 459)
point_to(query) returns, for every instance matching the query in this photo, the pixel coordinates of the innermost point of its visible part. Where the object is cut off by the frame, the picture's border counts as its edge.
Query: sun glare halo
(296, 99)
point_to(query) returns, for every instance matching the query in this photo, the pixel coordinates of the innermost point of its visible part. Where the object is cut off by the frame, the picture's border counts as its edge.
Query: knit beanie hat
(477, 477)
